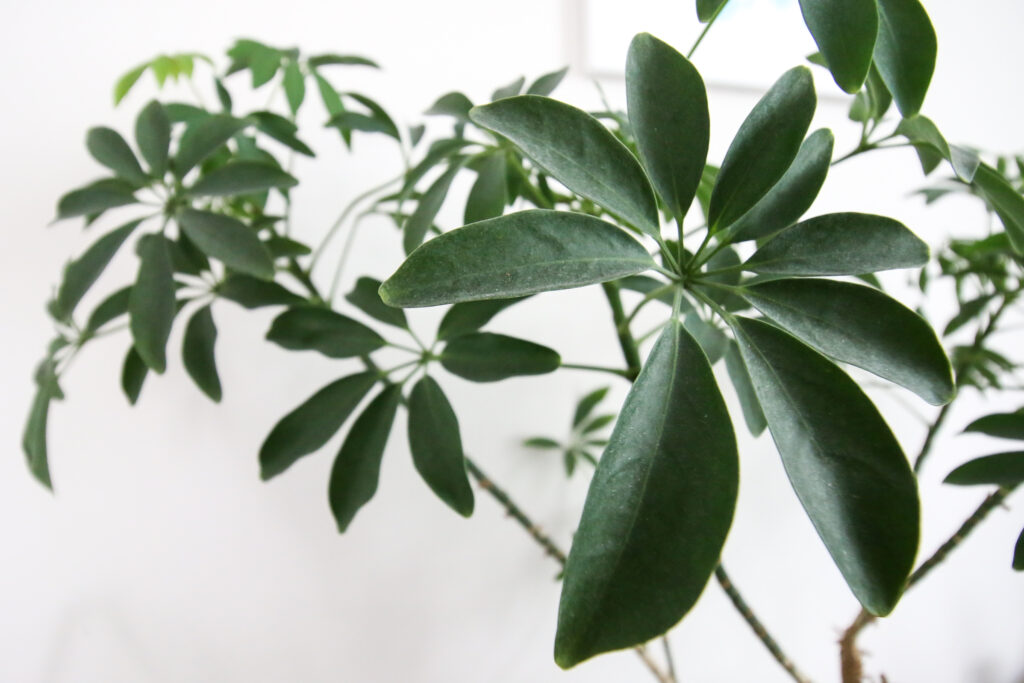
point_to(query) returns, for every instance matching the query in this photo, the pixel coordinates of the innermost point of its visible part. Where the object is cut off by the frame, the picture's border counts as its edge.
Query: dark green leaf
(349, 60)
(510, 90)
(133, 374)
(251, 292)
(151, 304)
(33, 440)
(110, 308)
(285, 247)
(658, 509)
(489, 194)
(440, 151)
(711, 339)
(453, 104)
(364, 296)
(1001, 425)
(646, 284)
(198, 352)
(844, 463)
(668, 112)
(223, 95)
(542, 443)
(1007, 203)
(968, 312)
(751, 407)
(313, 423)
(357, 468)
(1018, 553)
(153, 136)
(521, 253)
(282, 130)
(1001, 469)
(203, 138)
(378, 114)
(179, 112)
(598, 423)
(80, 274)
(905, 52)
(309, 328)
(294, 86)
(921, 131)
(125, 83)
(840, 244)
(845, 32)
(487, 357)
(587, 405)
(228, 240)
(764, 148)
(547, 83)
(861, 326)
(422, 218)
(706, 9)
(790, 198)
(353, 120)
(576, 149)
(241, 177)
(470, 316)
(95, 198)
(436, 446)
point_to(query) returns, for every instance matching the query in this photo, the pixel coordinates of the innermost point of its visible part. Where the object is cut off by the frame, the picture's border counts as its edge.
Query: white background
(163, 558)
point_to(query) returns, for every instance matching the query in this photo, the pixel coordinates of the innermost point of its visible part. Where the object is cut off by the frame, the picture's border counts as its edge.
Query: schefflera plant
(662, 498)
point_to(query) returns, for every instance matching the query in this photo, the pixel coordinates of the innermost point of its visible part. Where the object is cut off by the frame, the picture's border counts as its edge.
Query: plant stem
(332, 231)
(689, 55)
(756, 626)
(849, 655)
(598, 368)
(629, 348)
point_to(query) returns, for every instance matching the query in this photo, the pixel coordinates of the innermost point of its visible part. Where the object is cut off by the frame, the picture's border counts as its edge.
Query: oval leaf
(251, 292)
(751, 407)
(470, 316)
(151, 304)
(840, 244)
(658, 508)
(488, 357)
(1007, 202)
(198, 352)
(547, 83)
(707, 9)
(845, 465)
(80, 274)
(576, 149)
(366, 298)
(861, 326)
(521, 253)
(242, 177)
(790, 198)
(133, 375)
(1001, 469)
(436, 446)
(309, 328)
(489, 194)
(422, 218)
(95, 198)
(1000, 425)
(845, 32)
(905, 52)
(153, 136)
(109, 148)
(203, 138)
(357, 468)
(668, 112)
(313, 423)
(764, 147)
(1018, 553)
(229, 240)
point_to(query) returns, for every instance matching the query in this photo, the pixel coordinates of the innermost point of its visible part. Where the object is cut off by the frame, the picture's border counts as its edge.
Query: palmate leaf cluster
(784, 299)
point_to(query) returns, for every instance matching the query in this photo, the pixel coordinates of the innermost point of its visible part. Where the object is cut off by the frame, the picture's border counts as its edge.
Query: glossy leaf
(80, 274)
(861, 326)
(133, 375)
(489, 194)
(357, 468)
(587, 405)
(228, 240)
(668, 112)
(470, 316)
(706, 9)
(999, 425)
(110, 149)
(576, 149)
(251, 292)
(95, 198)
(309, 328)
(1018, 553)
(764, 148)
(905, 52)
(520, 253)
(198, 352)
(793, 195)
(436, 446)
(488, 357)
(1001, 469)
(845, 32)
(153, 136)
(203, 138)
(843, 461)
(422, 218)
(658, 509)
(840, 244)
(1006, 201)
(313, 423)
(546, 84)
(751, 407)
(242, 177)
(366, 298)
(151, 305)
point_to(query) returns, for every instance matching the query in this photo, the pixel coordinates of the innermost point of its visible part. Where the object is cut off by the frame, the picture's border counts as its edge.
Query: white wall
(163, 558)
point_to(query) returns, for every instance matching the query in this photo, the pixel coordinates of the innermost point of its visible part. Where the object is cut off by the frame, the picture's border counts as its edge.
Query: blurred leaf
(453, 104)
(597, 424)
(80, 274)
(241, 177)
(489, 194)
(110, 149)
(751, 407)
(422, 218)
(470, 316)
(968, 312)
(488, 357)
(921, 131)
(282, 130)
(198, 352)
(587, 405)
(1006, 201)
(340, 60)
(110, 308)
(706, 9)
(294, 87)
(151, 304)
(308, 328)
(133, 375)
(364, 296)
(1018, 553)
(547, 83)
(153, 136)
(127, 81)
(436, 446)
(510, 90)
(228, 240)
(95, 198)
(251, 292)
(1001, 469)
(1000, 425)
(202, 138)
(542, 443)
